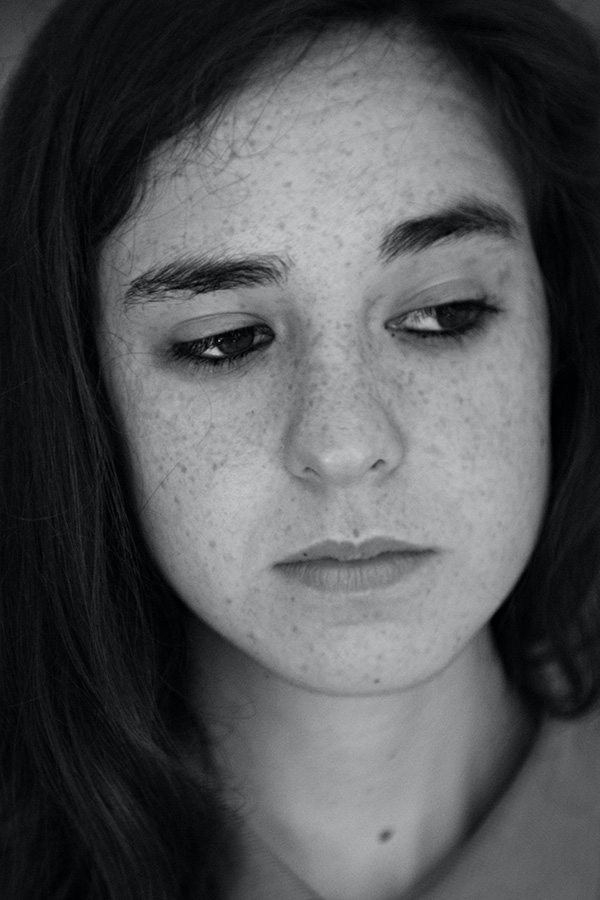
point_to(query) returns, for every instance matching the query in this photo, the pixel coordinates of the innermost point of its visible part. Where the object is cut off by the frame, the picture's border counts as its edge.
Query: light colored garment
(541, 841)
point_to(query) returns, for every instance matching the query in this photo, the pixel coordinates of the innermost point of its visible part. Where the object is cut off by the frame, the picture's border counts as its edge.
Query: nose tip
(337, 440)
(341, 466)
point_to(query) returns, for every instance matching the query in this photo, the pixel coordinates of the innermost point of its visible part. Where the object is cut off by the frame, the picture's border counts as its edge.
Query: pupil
(453, 317)
(236, 341)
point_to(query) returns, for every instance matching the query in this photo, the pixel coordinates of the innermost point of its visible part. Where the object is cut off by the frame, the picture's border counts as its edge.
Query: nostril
(341, 466)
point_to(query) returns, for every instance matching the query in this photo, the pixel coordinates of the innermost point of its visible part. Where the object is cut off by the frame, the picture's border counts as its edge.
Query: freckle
(212, 544)
(183, 468)
(385, 835)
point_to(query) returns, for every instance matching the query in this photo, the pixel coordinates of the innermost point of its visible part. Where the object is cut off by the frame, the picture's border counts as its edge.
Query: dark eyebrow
(465, 219)
(209, 274)
(205, 275)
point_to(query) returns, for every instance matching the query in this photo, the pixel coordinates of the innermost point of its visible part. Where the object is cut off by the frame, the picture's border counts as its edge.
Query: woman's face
(327, 323)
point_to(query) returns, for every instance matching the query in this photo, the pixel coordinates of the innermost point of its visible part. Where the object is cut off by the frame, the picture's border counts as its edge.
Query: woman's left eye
(228, 348)
(447, 320)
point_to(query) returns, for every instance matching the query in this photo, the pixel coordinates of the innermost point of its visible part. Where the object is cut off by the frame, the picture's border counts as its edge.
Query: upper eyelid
(431, 307)
(428, 303)
(476, 300)
(202, 329)
(444, 292)
(481, 303)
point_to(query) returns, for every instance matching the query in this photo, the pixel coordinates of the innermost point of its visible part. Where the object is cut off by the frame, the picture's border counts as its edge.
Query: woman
(300, 380)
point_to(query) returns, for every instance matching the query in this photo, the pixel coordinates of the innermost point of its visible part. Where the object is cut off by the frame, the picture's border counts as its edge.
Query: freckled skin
(339, 430)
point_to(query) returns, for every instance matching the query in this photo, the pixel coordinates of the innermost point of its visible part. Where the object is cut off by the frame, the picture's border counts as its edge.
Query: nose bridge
(339, 430)
(335, 387)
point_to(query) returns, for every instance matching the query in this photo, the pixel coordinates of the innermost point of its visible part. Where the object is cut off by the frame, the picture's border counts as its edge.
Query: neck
(362, 795)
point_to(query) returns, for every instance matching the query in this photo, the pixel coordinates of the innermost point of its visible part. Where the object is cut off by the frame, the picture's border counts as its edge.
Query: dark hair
(96, 799)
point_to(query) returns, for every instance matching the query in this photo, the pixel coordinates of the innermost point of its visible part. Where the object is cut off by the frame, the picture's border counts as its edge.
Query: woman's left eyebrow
(196, 275)
(468, 217)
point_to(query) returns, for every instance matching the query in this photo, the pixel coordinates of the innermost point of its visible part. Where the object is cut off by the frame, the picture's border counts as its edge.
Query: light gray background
(20, 18)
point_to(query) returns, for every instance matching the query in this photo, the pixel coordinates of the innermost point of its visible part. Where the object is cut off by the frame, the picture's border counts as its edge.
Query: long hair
(96, 799)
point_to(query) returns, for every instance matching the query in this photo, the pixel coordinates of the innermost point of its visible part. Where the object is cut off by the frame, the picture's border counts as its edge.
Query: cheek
(514, 406)
(496, 447)
(198, 462)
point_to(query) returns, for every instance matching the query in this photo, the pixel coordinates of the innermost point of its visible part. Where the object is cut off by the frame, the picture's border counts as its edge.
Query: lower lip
(354, 576)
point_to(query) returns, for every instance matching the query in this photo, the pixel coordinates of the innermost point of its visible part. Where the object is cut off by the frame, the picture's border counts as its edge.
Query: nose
(339, 431)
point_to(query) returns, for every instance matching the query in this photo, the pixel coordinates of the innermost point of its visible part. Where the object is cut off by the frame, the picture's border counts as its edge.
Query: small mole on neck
(386, 835)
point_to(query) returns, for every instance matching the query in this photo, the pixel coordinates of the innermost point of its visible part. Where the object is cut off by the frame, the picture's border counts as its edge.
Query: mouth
(334, 566)
(346, 551)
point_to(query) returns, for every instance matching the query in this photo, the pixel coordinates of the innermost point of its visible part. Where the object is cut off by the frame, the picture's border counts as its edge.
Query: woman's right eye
(228, 348)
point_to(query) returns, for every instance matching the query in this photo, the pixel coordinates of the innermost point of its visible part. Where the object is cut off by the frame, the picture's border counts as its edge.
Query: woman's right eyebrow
(204, 274)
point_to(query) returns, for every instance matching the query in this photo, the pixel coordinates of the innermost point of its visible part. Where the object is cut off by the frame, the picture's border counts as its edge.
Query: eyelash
(190, 352)
(479, 309)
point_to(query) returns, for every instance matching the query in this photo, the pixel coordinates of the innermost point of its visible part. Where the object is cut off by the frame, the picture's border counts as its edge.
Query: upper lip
(346, 551)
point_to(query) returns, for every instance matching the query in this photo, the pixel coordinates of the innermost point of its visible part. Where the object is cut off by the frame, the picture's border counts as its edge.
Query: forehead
(341, 76)
(366, 129)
